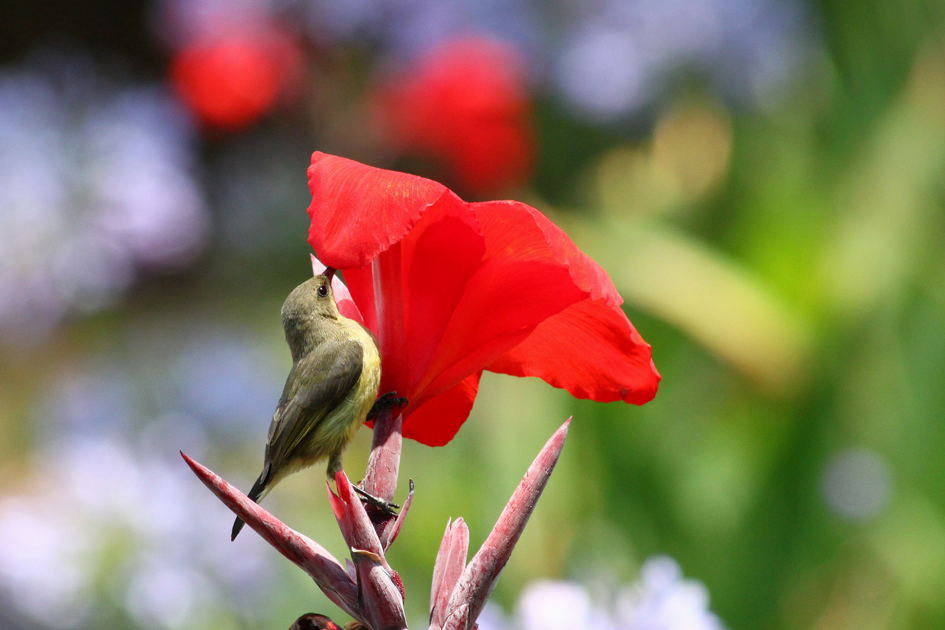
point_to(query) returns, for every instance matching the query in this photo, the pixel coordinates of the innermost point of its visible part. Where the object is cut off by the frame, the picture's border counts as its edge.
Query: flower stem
(383, 468)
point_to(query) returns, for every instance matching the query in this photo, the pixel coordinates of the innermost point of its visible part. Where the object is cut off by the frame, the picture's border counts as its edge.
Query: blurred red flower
(451, 288)
(231, 81)
(465, 105)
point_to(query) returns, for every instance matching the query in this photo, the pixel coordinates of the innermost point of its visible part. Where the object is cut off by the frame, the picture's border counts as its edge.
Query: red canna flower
(452, 288)
(465, 105)
(229, 81)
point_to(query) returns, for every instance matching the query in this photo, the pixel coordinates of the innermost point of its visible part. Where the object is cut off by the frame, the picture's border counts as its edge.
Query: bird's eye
(323, 290)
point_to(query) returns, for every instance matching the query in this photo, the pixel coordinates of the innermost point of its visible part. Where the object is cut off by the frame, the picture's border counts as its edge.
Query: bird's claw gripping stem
(386, 401)
(381, 504)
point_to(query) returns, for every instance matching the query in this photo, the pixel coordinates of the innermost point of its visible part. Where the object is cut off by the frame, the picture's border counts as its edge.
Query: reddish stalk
(373, 593)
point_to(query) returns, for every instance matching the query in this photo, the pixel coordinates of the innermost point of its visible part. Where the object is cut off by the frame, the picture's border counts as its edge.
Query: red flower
(231, 81)
(452, 288)
(465, 105)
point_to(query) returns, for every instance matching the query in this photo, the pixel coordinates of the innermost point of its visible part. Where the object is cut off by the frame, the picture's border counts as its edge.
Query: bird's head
(311, 300)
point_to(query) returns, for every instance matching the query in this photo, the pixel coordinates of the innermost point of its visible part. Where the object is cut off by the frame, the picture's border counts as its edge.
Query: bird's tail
(259, 490)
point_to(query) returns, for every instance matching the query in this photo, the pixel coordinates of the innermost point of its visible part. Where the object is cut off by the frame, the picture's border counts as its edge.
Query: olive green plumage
(336, 370)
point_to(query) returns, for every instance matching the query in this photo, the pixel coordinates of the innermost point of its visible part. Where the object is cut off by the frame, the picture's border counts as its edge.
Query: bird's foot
(384, 402)
(369, 499)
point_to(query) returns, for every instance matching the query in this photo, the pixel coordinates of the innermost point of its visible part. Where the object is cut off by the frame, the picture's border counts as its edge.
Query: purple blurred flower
(206, 379)
(107, 509)
(96, 182)
(620, 55)
(661, 600)
(664, 600)
(411, 28)
(103, 502)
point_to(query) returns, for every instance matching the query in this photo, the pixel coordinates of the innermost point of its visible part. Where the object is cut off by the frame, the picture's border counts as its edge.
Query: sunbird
(331, 389)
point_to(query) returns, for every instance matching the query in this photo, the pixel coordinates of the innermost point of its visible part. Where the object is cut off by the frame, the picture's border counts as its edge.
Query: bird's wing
(317, 384)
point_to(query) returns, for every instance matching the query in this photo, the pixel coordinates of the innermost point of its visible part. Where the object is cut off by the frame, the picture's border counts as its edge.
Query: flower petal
(510, 225)
(590, 349)
(421, 280)
(525, 278)
(346, 305)
(360, 284)
(439, 256)
(358, 211)
(436, 422)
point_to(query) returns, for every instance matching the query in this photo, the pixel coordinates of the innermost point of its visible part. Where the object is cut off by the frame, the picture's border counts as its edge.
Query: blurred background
(763, 179)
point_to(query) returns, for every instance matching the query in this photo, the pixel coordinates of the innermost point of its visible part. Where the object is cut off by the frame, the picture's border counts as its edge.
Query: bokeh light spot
(856, 483)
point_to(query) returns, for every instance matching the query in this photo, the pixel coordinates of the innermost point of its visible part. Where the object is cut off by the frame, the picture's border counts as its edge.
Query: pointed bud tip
(337, 505)
(194, 465)
(343, 486)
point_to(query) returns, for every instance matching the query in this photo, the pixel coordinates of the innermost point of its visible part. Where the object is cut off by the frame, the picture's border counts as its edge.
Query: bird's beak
(330, 273)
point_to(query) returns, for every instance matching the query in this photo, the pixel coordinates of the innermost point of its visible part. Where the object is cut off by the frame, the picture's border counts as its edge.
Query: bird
(330, 391)
(314, 621)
